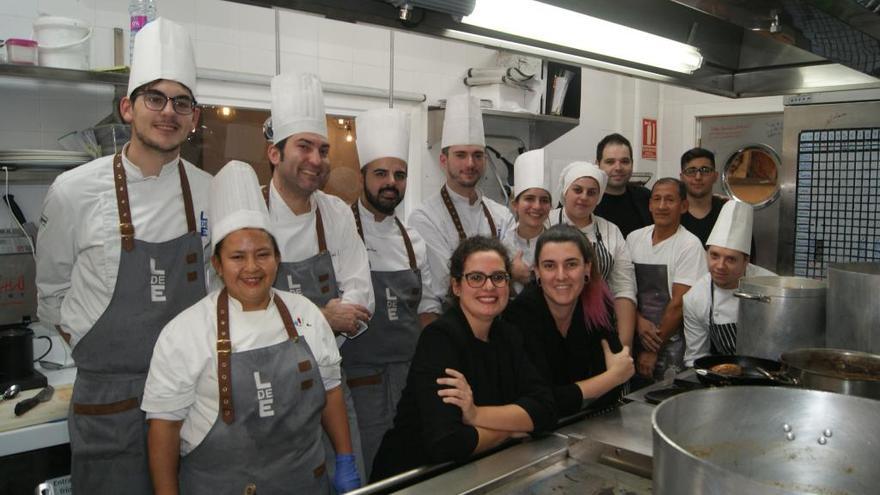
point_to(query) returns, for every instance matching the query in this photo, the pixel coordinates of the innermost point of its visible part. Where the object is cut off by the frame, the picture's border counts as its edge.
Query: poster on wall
(649, 139)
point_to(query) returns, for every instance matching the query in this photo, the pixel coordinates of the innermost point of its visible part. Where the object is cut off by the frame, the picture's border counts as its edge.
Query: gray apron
(315, 279)
(722, 338)
(155, 282)
(269, 434)
(653, 297)
(377, 362)
(603, 256)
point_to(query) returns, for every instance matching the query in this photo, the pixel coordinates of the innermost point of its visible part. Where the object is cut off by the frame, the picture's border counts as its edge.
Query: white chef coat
(697, 302)
(622, 279)
(682, 253)
(387, 253)
(298, 240)
(516, 244)
(183, 371)
(79, 245)
(435, 225)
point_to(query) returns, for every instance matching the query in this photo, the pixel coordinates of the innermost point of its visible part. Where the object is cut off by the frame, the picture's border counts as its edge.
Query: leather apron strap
(123, 205)
(224, 350)
(456, 220)
(410, 252)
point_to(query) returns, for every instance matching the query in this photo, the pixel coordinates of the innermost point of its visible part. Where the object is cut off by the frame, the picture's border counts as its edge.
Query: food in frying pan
(727, 369)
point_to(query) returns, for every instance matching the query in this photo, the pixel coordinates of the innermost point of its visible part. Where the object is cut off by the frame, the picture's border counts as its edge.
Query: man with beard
(122, 248)
(710, 309)
(322, 256)
(458, 210)
(623, 204)
(377, 362)
(699, 176)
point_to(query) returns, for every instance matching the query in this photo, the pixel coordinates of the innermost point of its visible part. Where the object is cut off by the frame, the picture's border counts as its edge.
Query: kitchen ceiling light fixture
(542, 22)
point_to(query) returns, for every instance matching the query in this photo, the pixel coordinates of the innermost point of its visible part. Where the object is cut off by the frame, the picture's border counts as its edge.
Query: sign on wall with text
(649, 139)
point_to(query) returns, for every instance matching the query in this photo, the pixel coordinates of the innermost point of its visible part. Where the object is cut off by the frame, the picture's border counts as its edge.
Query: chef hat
(528, 172)
(297, 105)
(162, 50)
(383, 132)
(463, 122)
(236, 201)
(733, 229)
(574, 171)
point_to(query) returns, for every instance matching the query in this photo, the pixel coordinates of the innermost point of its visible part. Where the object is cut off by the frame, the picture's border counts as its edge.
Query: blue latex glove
(346, 477)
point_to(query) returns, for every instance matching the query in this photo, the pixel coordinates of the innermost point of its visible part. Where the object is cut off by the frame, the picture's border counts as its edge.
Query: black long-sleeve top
(428, 431)
(563, 360)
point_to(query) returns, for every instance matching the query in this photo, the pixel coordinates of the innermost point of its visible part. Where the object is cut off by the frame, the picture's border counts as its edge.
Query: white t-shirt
(622, 279)
(387, 253)
(79, 245)
(435, 225)
(697, 302)
(183, 372)
(298, 240)
(682, 253)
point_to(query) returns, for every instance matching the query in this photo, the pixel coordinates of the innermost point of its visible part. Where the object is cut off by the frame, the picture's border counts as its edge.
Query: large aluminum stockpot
(779, 314)
(853, 313)
(835, 370)
(767, 440)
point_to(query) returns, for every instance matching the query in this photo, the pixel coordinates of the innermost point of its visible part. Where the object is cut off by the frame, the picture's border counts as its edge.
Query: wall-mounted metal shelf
(70, 75)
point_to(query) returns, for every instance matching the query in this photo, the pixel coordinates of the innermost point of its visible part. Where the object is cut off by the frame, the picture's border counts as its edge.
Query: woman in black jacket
(470, 385)
(567, 320)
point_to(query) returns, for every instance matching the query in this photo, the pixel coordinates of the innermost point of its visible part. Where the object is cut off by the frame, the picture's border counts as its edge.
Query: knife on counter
(27, 404)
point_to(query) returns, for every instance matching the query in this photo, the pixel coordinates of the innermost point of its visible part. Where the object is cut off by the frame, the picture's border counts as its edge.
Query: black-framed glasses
(478, 279)
(156, 101)
(692, 171)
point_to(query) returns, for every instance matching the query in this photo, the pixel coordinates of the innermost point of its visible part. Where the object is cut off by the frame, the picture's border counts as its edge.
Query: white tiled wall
(238, 37)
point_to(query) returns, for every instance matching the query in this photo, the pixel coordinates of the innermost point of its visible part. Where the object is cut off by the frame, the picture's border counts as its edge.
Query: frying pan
(751, 371)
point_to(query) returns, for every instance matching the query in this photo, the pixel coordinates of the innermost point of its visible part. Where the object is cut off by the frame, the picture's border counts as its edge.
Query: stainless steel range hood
(749, 47)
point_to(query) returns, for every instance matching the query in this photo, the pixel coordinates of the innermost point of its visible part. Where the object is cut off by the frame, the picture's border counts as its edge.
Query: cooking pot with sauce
(768, 440)
(835, 370)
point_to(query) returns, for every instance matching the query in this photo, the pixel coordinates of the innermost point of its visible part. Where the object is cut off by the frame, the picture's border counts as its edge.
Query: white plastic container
(19, 51)
(63, 42)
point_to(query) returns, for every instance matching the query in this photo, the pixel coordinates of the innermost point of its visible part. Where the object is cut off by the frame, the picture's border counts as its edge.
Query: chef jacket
(182, 383)
(435, 225)
(298, 240)
(622, 279)
(387, 253)
(79, 244)
(682, 253)
(697, 302)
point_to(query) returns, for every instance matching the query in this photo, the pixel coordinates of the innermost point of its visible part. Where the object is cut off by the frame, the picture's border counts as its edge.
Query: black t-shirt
(702, 227)
(427, 430)
(563, 360)
(629, 211)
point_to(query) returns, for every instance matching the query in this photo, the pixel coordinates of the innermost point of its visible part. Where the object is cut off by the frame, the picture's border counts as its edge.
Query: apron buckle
(224, 346)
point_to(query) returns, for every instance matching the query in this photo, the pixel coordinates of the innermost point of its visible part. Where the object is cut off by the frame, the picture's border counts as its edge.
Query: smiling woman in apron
(581, 187)
(531, 205)
(567, 320)
(241, 383)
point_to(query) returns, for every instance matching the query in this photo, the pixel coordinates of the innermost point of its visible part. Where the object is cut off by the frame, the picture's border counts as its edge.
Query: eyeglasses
(156, 101)
(692, 171)
(477, 280)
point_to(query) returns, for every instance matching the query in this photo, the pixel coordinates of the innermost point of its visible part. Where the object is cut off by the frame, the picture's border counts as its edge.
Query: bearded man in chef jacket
(322, 256)
(122, 248)
(377, 362)
(459, 210)
(710, 309)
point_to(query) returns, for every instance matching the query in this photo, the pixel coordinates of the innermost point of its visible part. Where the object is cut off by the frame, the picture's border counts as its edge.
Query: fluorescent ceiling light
(540, 21)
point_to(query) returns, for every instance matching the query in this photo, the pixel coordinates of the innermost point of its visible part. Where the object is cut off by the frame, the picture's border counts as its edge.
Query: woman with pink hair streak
(567, 320)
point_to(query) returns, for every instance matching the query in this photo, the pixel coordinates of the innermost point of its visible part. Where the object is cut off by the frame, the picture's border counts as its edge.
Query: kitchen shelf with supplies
(69, 75)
